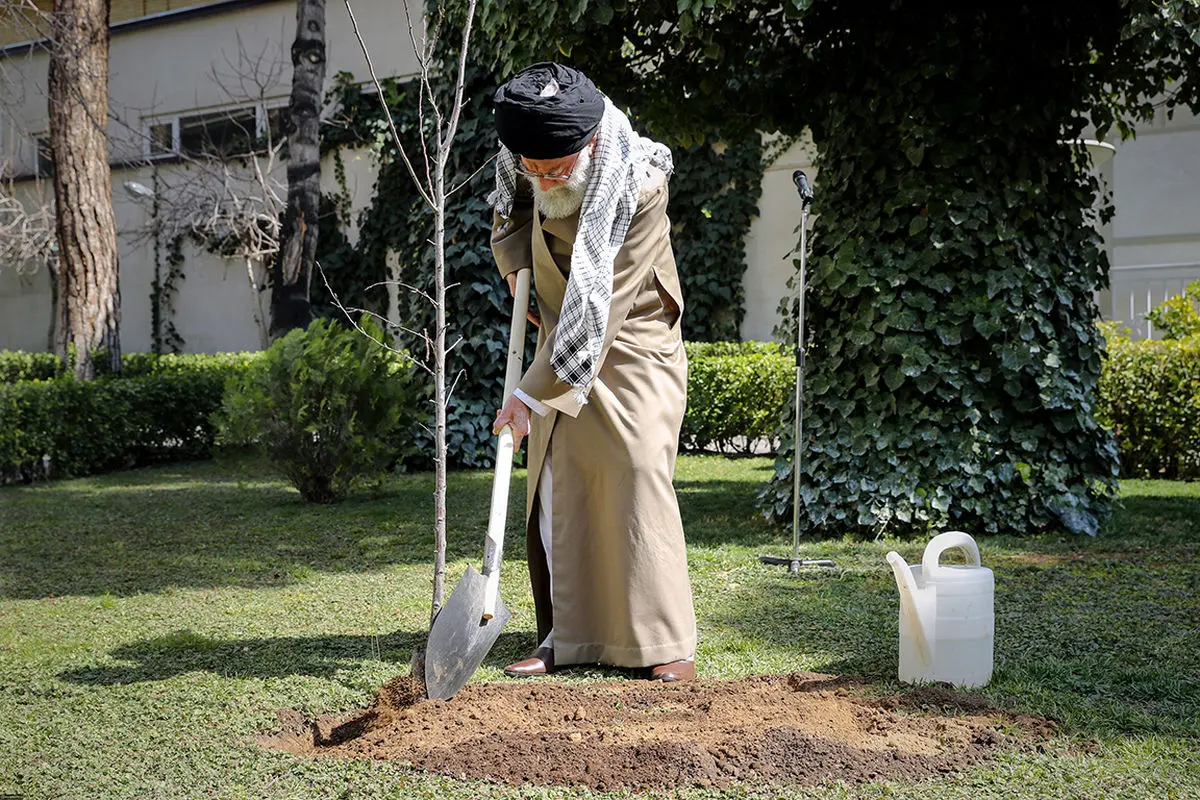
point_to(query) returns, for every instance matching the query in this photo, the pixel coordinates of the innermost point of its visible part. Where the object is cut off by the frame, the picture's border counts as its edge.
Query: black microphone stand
(794, 562)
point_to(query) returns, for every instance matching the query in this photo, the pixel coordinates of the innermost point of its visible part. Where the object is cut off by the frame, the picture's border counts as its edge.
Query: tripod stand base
(794, 564)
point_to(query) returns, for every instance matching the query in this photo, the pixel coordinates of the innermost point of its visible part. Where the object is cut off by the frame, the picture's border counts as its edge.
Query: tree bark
(87, 231)
(292, 272)
(60, 333)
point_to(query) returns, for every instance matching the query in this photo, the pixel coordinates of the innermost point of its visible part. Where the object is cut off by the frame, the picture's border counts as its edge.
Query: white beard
(565, 199)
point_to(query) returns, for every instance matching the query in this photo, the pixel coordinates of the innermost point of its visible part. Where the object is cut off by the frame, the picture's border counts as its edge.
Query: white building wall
(183, 67)
(1153, 242)
(25, 299)
(773, 239)
(1155, 238)
(179, 67)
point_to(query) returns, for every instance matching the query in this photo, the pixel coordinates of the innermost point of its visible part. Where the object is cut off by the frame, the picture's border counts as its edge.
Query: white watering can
(947, 622)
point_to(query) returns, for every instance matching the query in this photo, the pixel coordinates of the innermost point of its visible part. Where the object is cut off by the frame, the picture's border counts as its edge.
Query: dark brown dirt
(777, 729)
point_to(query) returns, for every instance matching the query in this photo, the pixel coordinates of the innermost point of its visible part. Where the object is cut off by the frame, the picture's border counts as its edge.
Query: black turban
(548, 111)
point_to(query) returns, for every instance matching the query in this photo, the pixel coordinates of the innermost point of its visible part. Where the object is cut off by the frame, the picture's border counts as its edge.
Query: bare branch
(386, 111)
(450, 391)
(452, 128)
(337, 302)
(424, 53)
(27, 233)
(387, 323)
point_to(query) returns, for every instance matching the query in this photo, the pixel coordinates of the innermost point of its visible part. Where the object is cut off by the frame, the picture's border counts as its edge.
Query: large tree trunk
(87, 231)
(292, 272)
(59, 338)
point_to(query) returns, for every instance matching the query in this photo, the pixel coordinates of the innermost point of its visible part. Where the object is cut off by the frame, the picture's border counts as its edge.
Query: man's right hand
(512, 290)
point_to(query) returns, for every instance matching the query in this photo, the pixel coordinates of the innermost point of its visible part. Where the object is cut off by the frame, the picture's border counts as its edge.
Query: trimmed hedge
(736, 393)
(158, 410)
(21, 366)
(160, 407)
(1149, 395)
(17, 366)
(1150, 398)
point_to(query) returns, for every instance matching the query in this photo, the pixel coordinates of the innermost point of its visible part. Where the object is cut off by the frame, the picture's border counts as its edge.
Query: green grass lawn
(152, 621)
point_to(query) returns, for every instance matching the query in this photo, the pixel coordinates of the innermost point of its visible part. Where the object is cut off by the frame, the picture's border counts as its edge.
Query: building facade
(185, 76)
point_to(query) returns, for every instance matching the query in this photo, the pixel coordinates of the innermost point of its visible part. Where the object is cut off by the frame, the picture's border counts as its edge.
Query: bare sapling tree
(438, 125)
(86, 226)
(291, 274)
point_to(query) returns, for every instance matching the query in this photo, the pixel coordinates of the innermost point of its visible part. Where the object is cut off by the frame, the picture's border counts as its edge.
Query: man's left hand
(516, 415)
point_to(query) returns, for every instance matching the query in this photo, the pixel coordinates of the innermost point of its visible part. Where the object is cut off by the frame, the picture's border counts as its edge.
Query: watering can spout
(917, 625)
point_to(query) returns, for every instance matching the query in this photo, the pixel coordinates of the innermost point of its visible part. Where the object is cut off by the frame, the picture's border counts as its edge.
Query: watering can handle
(943, 542)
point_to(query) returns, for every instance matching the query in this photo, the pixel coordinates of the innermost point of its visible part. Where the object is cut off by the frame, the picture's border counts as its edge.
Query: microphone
(802, 186)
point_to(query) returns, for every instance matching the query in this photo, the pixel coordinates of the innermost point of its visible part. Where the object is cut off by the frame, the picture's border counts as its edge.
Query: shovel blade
(460, 637)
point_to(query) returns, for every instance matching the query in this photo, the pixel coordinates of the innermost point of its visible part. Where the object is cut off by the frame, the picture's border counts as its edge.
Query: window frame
(262, 120)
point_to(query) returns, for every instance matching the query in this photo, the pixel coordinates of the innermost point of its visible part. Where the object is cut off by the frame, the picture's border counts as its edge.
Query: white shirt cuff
(536, 406)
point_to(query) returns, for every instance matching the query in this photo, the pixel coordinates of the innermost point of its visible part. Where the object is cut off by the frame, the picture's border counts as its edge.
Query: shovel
(468, 625)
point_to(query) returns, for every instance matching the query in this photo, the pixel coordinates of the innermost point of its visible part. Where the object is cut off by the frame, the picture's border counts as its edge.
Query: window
(162, 137)
(223, 133)
(228, 132)
(45, 156)
(279, 120)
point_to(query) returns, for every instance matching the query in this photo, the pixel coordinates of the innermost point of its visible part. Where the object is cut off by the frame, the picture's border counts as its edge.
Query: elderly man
(582, 199)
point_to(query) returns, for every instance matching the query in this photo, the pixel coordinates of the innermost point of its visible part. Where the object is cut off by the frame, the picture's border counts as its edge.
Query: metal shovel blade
(460, 637)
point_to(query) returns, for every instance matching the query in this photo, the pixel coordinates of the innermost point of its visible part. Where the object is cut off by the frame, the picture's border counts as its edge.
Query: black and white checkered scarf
(608, 207)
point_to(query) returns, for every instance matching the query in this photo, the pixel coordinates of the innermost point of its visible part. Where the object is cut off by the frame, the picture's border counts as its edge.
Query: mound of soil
(782, 729)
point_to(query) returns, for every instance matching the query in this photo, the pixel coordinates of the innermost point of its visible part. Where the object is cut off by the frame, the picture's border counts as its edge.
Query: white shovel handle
(493, 550)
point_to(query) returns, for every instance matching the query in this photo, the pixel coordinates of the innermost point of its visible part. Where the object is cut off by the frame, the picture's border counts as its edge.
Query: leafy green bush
(1177, 317)
(735, 389)
(136, 365)
(1150, 398)
(327, 405)
(110, 423)
(21, 366)
(697, 350)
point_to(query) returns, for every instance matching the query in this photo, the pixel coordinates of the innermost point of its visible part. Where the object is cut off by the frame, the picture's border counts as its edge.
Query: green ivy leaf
(915, 153)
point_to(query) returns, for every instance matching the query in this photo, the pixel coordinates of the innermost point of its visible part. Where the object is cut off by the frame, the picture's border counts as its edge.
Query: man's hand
(512, 289)
(515, 414)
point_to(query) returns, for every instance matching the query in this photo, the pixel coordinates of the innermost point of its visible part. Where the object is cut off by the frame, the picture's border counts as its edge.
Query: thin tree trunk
(292, 272)
(87, 231)
(439, 383)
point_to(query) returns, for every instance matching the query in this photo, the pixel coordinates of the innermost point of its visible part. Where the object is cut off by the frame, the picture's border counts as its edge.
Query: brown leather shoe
(540, 663)
(675, 671)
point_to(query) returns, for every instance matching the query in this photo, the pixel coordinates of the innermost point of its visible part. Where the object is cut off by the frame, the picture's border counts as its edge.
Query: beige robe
(621, 589)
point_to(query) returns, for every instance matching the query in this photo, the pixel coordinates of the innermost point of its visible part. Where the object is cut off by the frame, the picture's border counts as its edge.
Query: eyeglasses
(547, 176)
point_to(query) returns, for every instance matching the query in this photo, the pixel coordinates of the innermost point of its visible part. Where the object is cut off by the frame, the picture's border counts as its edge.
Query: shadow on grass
(184, 651)
(1157, 512)
(211, 524)
(196, 526)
